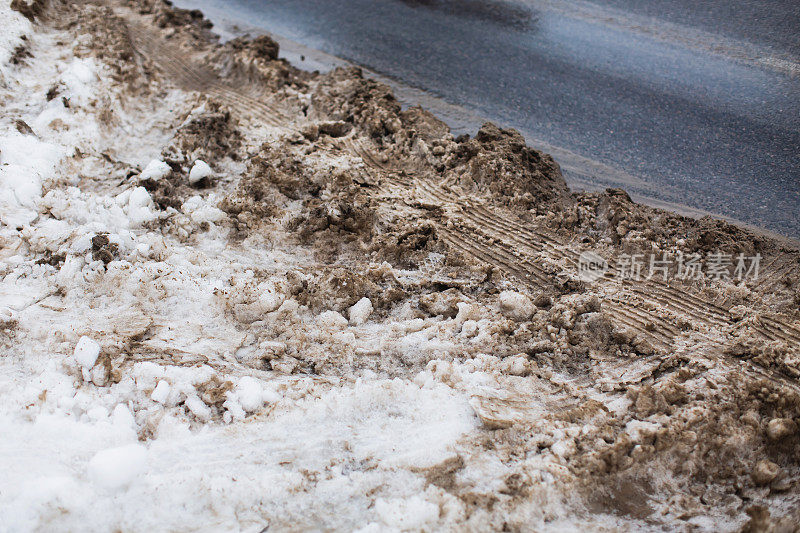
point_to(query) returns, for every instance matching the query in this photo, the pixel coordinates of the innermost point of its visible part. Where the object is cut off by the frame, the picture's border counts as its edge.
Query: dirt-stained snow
(237, 296)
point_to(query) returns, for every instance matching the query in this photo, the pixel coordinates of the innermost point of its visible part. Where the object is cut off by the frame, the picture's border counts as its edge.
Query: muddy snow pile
(260, 299)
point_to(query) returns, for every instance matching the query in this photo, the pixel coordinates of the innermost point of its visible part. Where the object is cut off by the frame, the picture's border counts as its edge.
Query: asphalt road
(696, 103)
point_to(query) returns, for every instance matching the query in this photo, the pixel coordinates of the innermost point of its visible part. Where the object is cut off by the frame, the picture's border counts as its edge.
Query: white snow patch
(25, 162)
(116, 468)
(407, 514)
(140, 207)
(79, 77)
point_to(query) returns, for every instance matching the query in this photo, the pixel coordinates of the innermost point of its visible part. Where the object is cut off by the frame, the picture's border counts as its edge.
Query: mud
(499, 162)
(209, 132)
(20, 55)
(102, 249)
(29, 10)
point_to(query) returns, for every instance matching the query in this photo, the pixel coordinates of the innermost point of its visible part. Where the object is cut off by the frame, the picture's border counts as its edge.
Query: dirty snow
(86, 448)
(169, 365)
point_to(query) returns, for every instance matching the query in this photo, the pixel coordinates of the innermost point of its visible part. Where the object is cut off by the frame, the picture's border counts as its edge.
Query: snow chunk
(198, 408)
(233, 410)
(200, 171)
(466, 312)
(516, 305)
(97, 413)
(269, 298)
(7, 314)
(155, 170)
(139, 207)
(563, 448)
(69, 270)
(332, 319)
(146, 374)
(161, 392)
(139, 198)
(470, 328)
(117, 467)
(266, 298)
(250, 394)
(86, 352)
(360, 311)
(201, 211)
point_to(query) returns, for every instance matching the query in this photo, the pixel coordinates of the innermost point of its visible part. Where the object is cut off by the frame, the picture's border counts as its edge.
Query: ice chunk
(139, 198)
(250, 394)
(360, 311)
(200, 171)
(516, 305)
(155, 170)
(161, 392)
(269, 298)
(331, 319)
(198, 408)
(86, 352)
(117, 467)
(470, 328)
(139, 207)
